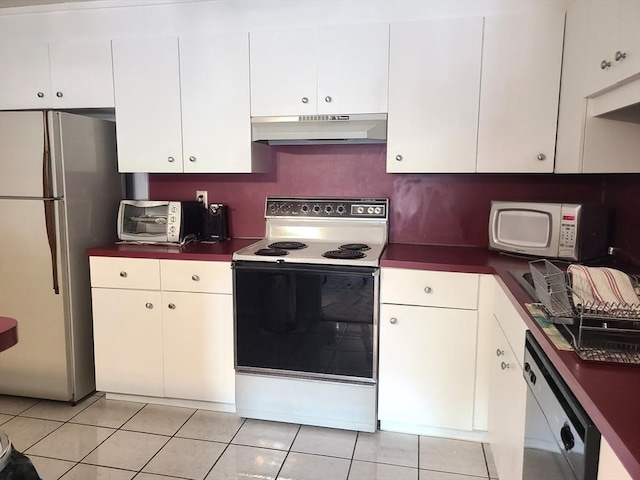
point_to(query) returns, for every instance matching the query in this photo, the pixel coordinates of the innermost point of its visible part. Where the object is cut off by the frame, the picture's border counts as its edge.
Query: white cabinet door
(147, 98)
(24, 76)
(216, 124)
(353, 69)
(198, 346)
(507, 404)
(81, 74)
(283, 72)
(127, 331)
(434, 90)
(614, 43)
(427, 366)
(520, 82)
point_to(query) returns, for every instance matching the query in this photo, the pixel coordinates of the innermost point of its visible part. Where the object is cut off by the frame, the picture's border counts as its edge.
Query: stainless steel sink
(525, 279)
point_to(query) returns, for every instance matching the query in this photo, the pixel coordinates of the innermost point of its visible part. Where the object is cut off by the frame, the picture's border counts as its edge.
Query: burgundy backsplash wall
(448, 209)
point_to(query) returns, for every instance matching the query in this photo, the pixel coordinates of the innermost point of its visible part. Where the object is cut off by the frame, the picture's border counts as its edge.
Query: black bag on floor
(19, 467)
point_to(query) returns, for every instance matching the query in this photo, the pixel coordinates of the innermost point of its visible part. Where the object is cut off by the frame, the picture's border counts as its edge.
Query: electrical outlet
(201, 196)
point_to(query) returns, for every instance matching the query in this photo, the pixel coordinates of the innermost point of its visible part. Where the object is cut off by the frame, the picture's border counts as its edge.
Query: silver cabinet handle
(192, 159)
(172, 306)
(305, 100)
(40, 94)
(149, 305)
(504, 366)
(327, 99)
(604, 64)
(393, 320)
(123, 274)
(428, 290)
(499, 352)
(59, 94)
(195, 278)
(399, 158)
(620, 55)
(171, 159)
(541, 156)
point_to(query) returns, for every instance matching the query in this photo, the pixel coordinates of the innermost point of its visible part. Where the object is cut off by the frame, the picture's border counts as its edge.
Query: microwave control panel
(568, 229)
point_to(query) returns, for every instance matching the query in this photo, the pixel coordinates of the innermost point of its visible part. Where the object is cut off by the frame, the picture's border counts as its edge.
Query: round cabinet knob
(192, 159)
(393, 320)
(604, 64)
(541, 156)
(504, 366)
(123, 274)
(428, 290)
(171, 159)
(305, 100)
(172, 306)
(195, 278)
(499, 352)
(399, 158)
(40, 94)
(59, 94)
(327, 99)
(149, 305)
(620, 55)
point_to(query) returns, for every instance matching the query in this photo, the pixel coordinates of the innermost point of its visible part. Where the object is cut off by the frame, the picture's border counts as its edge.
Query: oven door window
(317, 320)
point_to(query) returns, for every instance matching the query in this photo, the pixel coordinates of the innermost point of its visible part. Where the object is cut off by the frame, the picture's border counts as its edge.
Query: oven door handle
(304, 268)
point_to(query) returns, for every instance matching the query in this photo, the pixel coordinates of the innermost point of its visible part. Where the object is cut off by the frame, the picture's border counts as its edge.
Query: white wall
(134, 18)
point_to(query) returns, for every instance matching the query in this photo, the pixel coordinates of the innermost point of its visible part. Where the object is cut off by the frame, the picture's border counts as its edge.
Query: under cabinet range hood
(320, 129)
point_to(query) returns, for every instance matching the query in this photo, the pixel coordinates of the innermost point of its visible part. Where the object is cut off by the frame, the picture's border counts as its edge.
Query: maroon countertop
(609, 393)
(220, 252)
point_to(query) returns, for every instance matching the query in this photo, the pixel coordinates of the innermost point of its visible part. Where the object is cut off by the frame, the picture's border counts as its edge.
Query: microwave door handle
(49, 206)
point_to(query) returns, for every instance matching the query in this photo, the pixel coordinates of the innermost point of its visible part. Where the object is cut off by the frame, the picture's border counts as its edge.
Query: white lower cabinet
(507, 389)
(163, 328)
(198, 346)
(127, 332)
(427, 355)
(427, 366)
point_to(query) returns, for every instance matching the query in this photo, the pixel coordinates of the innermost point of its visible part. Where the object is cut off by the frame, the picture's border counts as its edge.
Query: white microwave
(550, 230)
(150, 221)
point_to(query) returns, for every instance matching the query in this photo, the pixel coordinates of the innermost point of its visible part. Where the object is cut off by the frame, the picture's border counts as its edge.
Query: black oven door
(306, 320)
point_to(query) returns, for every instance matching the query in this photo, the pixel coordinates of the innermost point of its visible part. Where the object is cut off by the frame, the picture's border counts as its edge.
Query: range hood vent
(320, 129)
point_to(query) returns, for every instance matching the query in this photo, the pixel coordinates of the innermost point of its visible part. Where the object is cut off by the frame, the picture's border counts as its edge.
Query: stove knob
(370, 210)
(340, 209)
(378, 210)
(273, 208)
(316, 208)
(328, 209)
(304, 208)
(360, 210)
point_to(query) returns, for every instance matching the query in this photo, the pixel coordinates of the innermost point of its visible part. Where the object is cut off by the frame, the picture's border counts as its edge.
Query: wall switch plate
(201, 196)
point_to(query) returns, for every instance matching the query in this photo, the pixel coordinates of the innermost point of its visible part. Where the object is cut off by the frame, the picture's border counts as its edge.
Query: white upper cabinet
(614, 43)
(24, 76)
(183, 105)
(81, 74)
(519, 95)
(325, 70)
(146, 76)
(37, 75)
(216, 117)
(434, 91)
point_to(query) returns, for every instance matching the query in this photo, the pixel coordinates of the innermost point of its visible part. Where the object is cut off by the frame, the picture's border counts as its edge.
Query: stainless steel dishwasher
(560, 441)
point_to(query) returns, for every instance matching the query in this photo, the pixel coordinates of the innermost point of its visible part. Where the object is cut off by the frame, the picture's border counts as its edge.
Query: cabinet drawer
(119, 272)
(429, 288)
(196, 276)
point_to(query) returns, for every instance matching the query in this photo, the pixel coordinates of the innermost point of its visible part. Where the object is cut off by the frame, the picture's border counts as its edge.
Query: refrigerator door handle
(49, 206)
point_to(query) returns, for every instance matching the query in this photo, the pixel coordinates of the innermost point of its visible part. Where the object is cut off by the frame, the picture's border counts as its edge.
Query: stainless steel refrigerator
(59, 194)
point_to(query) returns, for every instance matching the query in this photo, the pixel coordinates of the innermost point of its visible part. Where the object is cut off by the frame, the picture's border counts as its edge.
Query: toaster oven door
(141, 221)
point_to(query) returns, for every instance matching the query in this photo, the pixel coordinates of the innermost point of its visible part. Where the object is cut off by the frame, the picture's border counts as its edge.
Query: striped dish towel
(602, 288)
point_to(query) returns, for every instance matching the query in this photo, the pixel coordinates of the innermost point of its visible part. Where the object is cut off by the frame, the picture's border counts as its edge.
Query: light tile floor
(103, 439)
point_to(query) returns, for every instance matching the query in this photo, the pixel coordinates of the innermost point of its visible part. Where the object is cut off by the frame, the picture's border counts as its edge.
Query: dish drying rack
(600, 331)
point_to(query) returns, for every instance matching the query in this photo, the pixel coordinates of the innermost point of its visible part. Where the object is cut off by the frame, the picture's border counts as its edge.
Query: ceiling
(27, 3)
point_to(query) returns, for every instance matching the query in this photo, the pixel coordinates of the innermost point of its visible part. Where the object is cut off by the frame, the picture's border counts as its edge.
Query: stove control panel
(327, 207)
